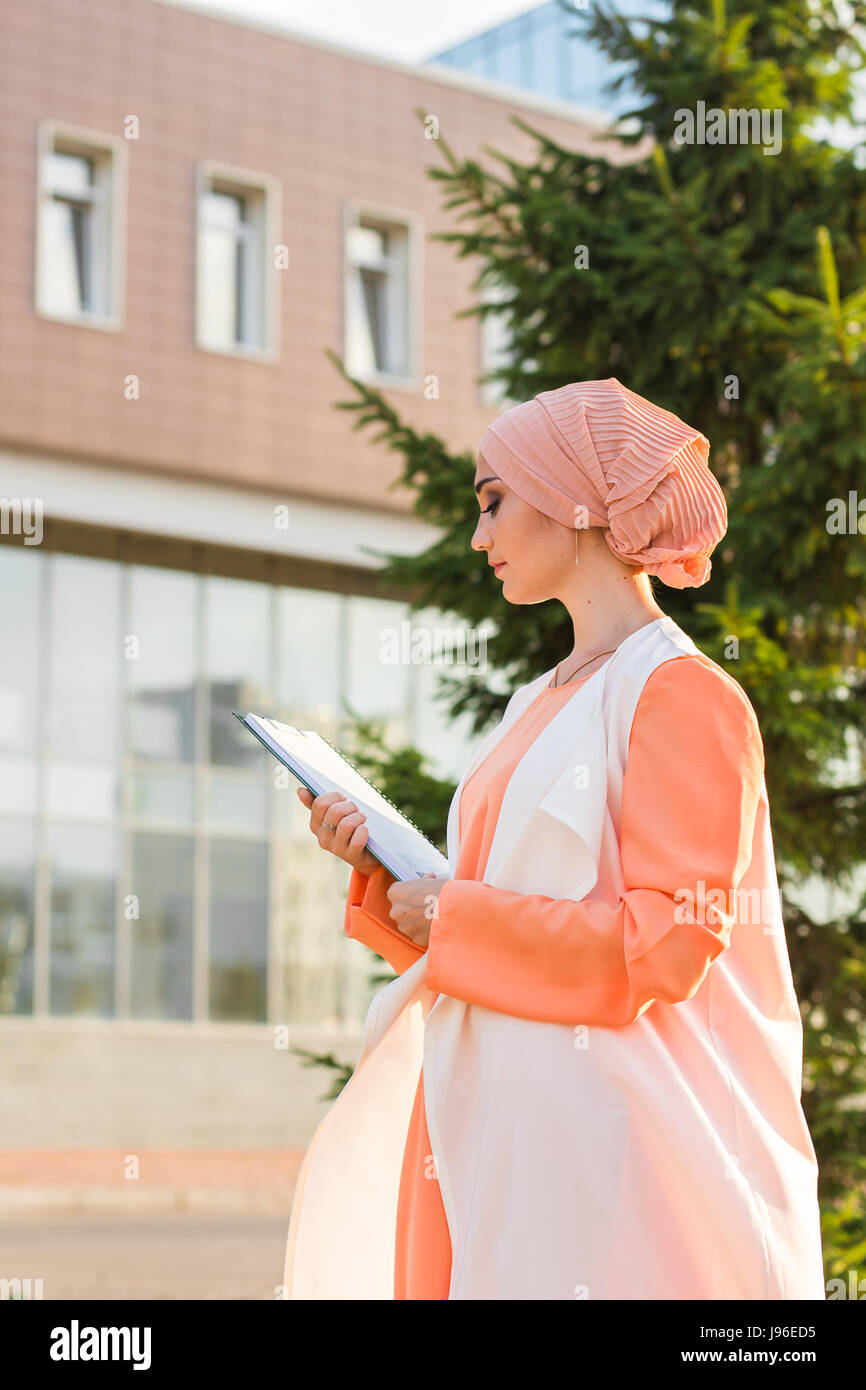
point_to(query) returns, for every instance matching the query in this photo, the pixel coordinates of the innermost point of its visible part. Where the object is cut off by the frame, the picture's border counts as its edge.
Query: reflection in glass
(378, 661)
(163, 798)
(289, 815)
(447, 743)
(81, 791)
(161, 936)
(68, 173)
(17, 859)
(311, 901)
(17, 786)
(67, 232)
(222, 248)
(256, 642)
(497, 345)
(85, 657)
(82, 921)
(238, 929)
(238, 666)
(373, 290)
(21, 576)
(308, 641)
(235, 803)
(161, 679)
(367, 245)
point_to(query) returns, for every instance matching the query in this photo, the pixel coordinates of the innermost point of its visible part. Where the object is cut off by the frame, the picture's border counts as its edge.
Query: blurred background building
(195, 208)
(543, 51)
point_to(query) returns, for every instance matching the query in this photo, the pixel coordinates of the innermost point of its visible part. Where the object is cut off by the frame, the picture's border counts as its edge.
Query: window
(155, 862)
(496, 349)
(238, 217)
(81, 948)
(380, 294)
(160, 948)
(238, 930)
(79, 225)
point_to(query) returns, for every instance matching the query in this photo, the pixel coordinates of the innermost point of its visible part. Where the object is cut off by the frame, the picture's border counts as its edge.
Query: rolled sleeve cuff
(367, 919)
(457, 900)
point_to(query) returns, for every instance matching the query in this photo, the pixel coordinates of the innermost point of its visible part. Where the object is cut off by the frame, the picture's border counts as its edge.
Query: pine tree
(727, 284)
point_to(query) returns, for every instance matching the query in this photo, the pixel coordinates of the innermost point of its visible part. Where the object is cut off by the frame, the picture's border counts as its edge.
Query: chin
(512, 593)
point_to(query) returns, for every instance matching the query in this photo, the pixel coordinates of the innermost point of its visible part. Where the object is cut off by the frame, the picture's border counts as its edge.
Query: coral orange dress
(666, 828)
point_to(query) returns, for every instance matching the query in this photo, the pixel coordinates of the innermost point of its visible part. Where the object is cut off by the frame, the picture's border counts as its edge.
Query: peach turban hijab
(638, 471)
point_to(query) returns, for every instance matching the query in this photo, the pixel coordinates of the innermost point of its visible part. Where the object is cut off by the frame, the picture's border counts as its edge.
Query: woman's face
(536, 553)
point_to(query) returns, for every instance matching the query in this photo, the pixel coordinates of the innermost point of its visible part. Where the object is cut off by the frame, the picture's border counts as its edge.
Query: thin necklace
(556, 686)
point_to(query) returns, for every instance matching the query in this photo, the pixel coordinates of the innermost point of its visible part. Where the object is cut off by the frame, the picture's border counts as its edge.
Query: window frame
(489, 397)
(129, 821)
(267, 191)
(356, 211)
(110, 157)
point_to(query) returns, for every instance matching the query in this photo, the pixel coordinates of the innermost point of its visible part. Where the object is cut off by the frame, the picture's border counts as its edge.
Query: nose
(481, 538)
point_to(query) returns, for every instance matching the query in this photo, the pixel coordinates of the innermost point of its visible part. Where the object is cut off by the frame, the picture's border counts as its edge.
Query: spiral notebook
(392, 837)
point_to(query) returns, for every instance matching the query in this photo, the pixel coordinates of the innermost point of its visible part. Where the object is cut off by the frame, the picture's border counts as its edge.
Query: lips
(497, 568)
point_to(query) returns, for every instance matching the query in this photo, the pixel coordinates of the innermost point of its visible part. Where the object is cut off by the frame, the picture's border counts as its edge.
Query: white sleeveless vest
(669, 1158)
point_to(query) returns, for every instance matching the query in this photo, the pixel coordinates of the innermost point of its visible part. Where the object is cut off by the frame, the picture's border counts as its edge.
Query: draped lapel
(564, 775)
(551, 822)
(520, 700)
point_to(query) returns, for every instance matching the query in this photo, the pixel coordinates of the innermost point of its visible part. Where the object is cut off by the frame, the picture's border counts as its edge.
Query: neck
(611, 614)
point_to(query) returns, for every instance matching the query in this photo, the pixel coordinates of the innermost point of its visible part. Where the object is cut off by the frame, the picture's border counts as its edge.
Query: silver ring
(325, 826)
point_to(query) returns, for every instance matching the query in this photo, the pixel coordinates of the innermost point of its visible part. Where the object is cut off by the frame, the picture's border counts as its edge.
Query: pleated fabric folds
(594, 453)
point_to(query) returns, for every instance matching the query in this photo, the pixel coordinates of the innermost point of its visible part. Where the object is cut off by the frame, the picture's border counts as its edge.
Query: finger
(358, 838)
(340, 812)
(336, 808)
(345, 828)
(322, 807)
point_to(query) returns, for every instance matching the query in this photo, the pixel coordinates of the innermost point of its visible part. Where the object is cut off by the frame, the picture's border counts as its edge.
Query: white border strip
(192, 510)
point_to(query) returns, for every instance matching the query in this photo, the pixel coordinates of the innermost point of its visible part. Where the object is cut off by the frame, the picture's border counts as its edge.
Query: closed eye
(491, 508)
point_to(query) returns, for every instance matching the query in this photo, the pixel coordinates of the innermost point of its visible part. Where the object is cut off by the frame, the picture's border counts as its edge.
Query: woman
(600, 992)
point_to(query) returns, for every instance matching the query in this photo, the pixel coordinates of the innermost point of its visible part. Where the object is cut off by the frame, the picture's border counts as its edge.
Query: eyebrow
(490, 479)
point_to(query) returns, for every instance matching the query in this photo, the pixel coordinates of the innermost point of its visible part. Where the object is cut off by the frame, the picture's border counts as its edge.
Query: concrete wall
(78, 1085)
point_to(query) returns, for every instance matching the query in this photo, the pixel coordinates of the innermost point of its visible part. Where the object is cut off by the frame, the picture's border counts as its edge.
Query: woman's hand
(350, 833)
(414, 905)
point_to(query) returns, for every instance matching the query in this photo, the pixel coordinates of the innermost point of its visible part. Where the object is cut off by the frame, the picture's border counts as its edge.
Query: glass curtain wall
(155, 863)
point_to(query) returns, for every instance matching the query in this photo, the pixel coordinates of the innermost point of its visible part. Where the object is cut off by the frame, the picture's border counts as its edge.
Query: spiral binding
(355, 768)
(352, 765)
